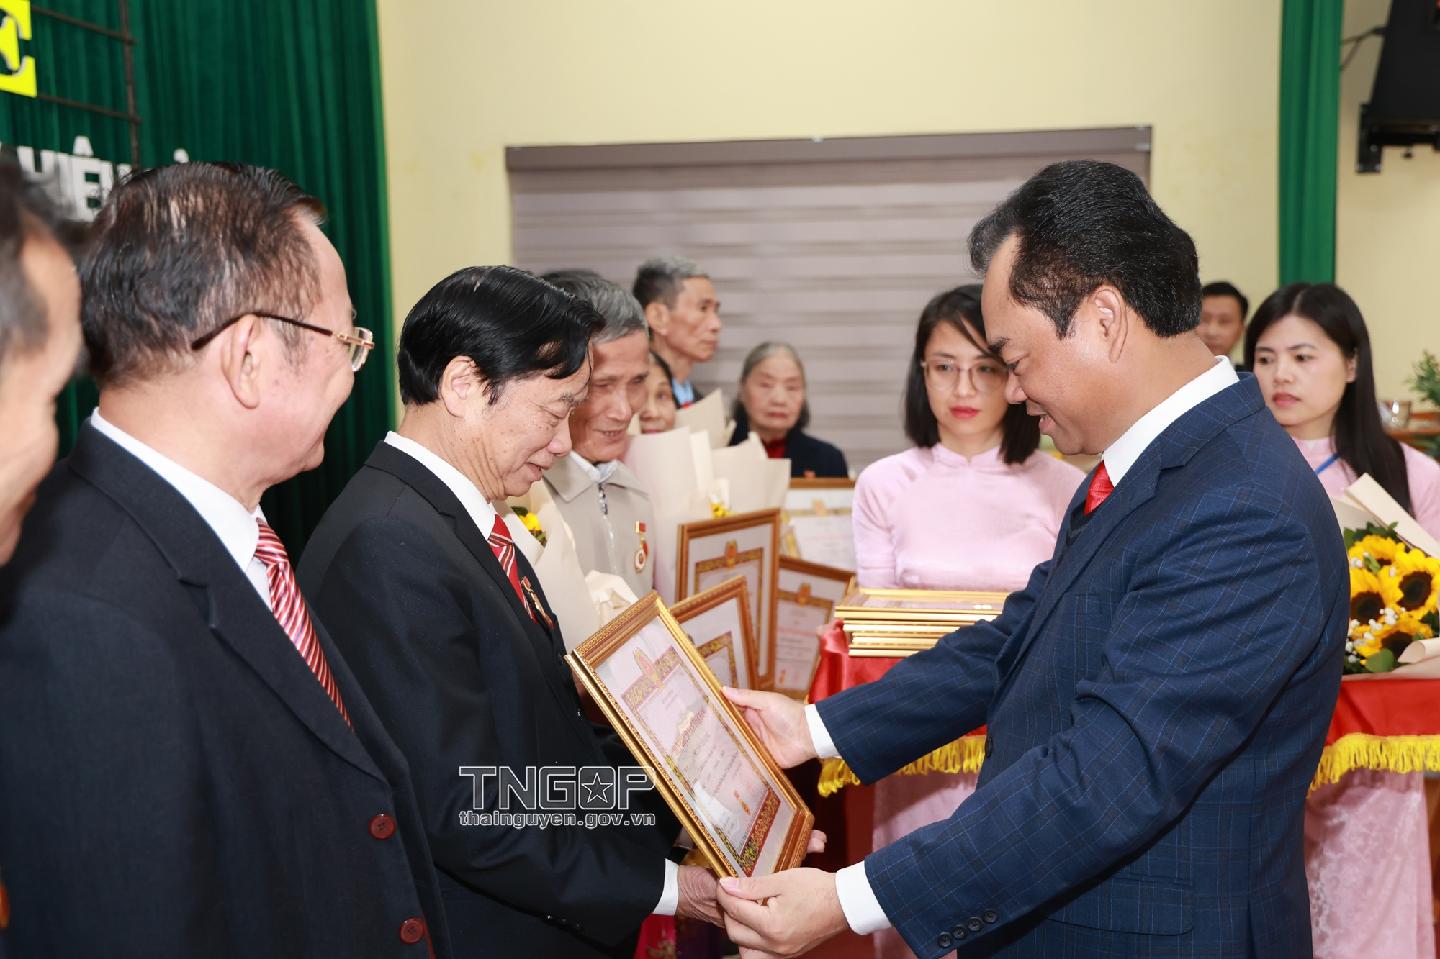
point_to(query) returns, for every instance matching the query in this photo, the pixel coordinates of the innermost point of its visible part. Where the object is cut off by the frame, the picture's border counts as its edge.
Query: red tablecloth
(1387, 722)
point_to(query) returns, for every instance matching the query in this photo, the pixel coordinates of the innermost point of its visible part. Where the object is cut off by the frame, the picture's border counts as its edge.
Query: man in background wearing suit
(39, 343)
(683, 313)
(187, 766)
(1157, 696)
(449, 631)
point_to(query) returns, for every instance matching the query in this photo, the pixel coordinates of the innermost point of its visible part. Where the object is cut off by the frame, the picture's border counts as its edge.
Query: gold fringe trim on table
(964, 755)
(1396, 754)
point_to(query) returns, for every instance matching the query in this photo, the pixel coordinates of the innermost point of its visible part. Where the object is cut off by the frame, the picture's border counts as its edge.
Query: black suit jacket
(463, 677)
(808, 455)
(173, 779)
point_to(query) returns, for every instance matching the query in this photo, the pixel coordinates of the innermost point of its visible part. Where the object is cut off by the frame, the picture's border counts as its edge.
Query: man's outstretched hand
(782, 915)
(779, 721)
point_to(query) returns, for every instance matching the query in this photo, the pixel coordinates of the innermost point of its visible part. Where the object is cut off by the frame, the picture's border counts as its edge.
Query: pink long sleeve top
(934, 519)
(1424, 476)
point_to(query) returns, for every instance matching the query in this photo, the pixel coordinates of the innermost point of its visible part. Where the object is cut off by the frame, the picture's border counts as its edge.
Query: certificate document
(719, 655)
(726, 789)
(746, 547)
(718, 622)
(827, 538)
(748, 565)
(798, 619)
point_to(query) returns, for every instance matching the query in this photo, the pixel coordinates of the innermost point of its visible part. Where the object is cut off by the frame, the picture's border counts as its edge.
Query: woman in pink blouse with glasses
(973, 505)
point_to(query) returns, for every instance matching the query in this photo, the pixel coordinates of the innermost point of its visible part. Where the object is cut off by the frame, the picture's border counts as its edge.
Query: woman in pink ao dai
(973, 505)
(1366, 837)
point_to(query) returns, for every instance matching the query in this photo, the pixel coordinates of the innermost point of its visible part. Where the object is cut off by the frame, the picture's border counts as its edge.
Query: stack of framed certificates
(900, 622)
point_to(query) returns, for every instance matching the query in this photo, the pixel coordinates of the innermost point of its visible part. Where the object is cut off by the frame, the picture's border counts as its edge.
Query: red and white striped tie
(504, 549)
(290, 612)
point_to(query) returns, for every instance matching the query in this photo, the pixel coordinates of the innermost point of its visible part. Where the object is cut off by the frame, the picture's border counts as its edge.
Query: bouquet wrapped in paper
(1394, 585)
(691, 475)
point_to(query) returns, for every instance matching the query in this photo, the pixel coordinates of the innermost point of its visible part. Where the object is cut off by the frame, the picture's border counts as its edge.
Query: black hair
(1084, 223)
(1226, 288)
(659, 361)
(960, 307)
(25, 214)
(178, 250)
(509, 323)
(1358, 434)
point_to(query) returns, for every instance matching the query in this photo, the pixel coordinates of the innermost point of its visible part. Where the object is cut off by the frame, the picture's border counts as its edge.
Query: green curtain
(1309, 137)
(289, 84)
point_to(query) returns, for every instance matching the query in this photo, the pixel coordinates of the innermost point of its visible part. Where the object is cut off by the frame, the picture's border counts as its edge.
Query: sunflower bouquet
(1394, 591)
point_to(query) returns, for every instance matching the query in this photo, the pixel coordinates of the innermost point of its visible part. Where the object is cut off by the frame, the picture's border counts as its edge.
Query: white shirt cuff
(819, 736)
(857, 900)
(670, 892)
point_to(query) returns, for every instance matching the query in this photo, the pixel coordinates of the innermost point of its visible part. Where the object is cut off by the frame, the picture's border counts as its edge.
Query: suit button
(412, 930)
(944, 941)
(958, 933)
(974, 923)
(989, 916)
(382, 827)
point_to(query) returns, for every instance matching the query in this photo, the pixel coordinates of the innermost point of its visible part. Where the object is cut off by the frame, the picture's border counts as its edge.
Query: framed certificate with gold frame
(718, 623)
(648, 679)
(899, 622)
(817, 522)
(747, 545)
(806, 595)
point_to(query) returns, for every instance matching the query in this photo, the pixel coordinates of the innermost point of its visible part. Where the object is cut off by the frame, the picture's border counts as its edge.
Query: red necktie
(289, 608)
(1100, 488)
(504, 549)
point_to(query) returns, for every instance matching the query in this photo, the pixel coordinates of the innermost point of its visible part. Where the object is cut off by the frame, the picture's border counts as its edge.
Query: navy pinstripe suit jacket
(1157, 698)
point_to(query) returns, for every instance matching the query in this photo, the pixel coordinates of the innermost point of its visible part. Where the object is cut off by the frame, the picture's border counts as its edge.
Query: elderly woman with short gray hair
(772, 405)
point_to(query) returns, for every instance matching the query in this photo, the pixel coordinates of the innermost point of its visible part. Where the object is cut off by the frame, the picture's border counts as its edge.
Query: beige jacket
(616, 539)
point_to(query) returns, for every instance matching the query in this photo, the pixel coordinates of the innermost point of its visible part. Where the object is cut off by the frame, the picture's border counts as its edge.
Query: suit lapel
(221, 592)
(1137, 488)
(433, 490)
(1171, 449)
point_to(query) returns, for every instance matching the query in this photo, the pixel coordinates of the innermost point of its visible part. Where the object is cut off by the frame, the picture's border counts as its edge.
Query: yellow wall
(465, 78)
(1388, 243)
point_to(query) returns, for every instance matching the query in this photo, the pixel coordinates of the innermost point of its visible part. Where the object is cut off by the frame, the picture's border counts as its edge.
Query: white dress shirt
(234, 524)
(483, 514)
(857, 900)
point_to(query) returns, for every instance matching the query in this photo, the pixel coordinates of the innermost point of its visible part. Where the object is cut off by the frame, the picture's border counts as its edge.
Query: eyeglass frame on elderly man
(360, 343)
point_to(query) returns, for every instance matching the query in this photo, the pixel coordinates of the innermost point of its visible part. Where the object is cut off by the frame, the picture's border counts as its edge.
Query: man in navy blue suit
(1157, 696)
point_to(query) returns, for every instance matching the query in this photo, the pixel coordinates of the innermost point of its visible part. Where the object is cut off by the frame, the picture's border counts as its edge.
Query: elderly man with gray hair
(604, 505)
(684, 316)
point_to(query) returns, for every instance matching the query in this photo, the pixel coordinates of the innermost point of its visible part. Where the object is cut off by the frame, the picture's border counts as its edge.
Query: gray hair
(661, 278)
(623, 315)
(759, 355)
(25, 214)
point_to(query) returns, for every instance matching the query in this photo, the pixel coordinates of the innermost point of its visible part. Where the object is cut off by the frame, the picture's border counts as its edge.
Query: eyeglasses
(359, 343)
(987, 376)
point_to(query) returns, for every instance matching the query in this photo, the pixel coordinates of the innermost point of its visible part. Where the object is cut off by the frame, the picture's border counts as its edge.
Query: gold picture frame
(723, 785)
(806, 595)
(817, 520)
(710, 618)
(711, 551)
(901, 622)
